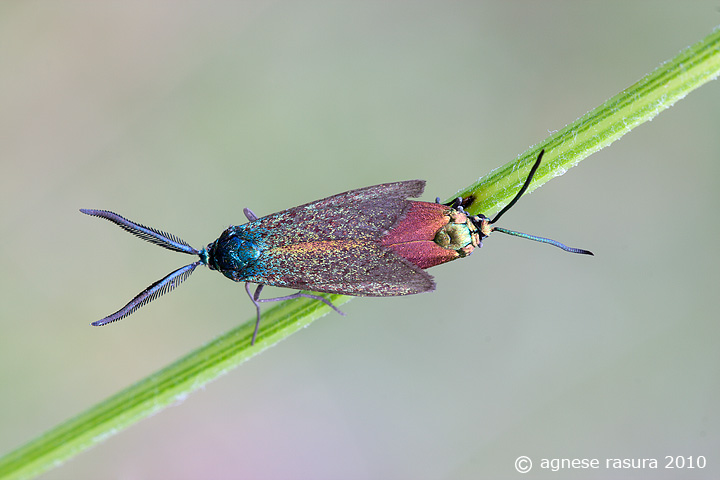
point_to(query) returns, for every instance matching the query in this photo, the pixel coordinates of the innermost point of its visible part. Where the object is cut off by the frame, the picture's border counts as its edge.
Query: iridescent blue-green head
(233, 254)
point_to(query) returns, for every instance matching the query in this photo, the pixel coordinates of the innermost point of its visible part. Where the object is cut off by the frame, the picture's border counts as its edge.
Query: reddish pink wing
(413, 237)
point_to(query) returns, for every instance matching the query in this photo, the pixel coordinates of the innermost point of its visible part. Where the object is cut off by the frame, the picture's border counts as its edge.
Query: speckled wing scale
(331, 245)
(371, 241)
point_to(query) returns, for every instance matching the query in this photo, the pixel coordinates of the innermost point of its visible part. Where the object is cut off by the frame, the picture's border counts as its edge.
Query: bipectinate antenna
(152, 235)
(158, 237)
(155, 290)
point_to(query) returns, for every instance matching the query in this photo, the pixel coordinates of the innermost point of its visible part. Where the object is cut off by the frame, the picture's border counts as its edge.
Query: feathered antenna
(160, 238)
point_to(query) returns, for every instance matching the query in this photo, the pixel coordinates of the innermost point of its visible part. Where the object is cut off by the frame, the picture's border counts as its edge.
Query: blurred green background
(178, 115)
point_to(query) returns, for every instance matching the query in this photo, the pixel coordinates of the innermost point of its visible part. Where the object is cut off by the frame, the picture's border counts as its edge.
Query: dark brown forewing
(362, 214)
(345, 266)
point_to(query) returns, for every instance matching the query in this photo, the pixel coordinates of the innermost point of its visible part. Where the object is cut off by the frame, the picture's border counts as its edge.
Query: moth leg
(250, 216)
(255, 298)
(457, 203)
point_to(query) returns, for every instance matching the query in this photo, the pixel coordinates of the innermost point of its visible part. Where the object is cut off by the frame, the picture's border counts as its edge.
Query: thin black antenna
(534, 238)
(522, 190)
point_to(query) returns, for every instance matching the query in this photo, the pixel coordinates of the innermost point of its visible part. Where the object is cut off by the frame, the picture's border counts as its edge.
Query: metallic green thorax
(459, 234)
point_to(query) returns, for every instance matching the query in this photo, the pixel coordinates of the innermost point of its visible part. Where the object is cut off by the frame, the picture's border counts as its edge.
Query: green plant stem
(641, 102)
(162, 389)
